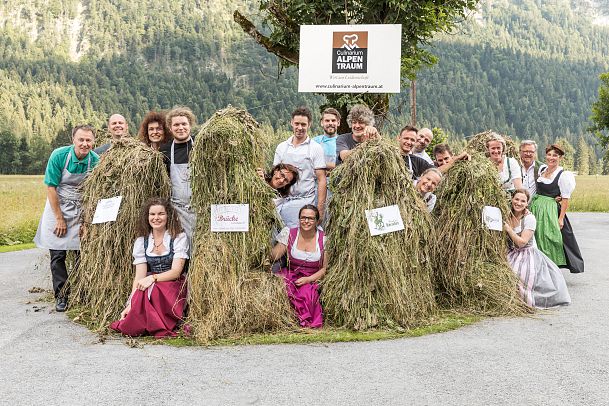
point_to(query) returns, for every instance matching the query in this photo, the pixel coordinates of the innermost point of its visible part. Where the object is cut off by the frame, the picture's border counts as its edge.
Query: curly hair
(284, 191)
(173, 222)
(153, 117)
(496, 137)
(361, 113)
(180, 111)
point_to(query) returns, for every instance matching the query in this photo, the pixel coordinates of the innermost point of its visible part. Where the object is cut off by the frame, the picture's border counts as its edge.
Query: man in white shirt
(424, 137)
(530, 168)
(308, 156)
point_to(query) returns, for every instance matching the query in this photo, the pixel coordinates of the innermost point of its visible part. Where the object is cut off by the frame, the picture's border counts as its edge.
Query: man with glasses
(530, 167)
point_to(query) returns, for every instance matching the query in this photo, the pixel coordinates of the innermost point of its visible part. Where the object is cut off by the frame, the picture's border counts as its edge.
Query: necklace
(155, 244)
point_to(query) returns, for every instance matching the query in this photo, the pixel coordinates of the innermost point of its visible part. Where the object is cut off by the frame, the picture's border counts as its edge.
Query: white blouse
(180, 247)
(566, 182)
(511, 170)
(283, 237)
(529, 222)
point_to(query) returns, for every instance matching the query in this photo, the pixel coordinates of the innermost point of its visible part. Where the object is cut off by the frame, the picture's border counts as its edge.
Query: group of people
(541, 238)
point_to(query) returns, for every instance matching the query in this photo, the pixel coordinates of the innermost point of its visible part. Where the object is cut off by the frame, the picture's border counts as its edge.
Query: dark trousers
(59, 272)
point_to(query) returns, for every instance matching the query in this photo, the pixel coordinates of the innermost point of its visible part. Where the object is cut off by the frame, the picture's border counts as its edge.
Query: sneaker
(61, 304)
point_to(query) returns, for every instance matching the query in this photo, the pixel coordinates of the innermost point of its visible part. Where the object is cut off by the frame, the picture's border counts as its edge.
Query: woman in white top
(554, 233)
(541, 283)
(510, 175)
(307, 262)
(156, 304)
(427, 184)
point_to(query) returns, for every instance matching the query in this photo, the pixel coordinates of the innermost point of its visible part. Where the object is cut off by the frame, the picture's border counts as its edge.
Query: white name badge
(384, 220)
(491, 217)
(107, 210)
(230, 218)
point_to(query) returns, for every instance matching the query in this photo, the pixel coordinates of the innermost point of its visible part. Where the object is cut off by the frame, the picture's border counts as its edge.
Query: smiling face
(428, 182)
(83, 142)
(157, 218)
(406, 140)
(519, 202)
(357, 128)
(180, 129)
(553, 158)
(117, 126)
(443, 158)
(281, 178)
(155, 132)
(495, 150)
(424, 138)
(308, 219)
(300, 127)
(330, 123)
(527, 154)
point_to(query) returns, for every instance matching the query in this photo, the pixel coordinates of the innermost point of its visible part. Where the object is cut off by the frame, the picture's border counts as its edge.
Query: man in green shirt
(60, 223)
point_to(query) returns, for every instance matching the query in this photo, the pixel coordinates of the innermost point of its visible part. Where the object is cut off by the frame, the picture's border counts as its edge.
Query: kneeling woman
(541, 284)
(304, 246)
(156, 304)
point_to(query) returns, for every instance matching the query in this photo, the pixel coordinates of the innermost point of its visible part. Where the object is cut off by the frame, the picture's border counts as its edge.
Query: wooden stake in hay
(477, 143)
(471, 265)
(381, 281)
(104, 277)
(229, 294)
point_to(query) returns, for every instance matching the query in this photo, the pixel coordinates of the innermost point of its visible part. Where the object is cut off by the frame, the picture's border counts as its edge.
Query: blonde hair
(498, 138)
(180, 111)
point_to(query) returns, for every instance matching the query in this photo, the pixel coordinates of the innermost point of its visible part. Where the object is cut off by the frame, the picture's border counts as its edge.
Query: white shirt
(283, 237)
(566, 182)
(511, 171)
(423, 154)
(529, 222)
(307, 157)
(528, 179)
(180, 247)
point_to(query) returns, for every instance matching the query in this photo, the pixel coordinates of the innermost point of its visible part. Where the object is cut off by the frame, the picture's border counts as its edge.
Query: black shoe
(61, 304)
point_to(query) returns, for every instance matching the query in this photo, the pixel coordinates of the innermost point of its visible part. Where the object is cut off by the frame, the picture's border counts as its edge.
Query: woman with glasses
(304, 246)
(281, 178)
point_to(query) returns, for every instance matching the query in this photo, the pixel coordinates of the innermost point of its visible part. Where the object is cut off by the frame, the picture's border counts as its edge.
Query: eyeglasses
(305, 218)
(284, 176)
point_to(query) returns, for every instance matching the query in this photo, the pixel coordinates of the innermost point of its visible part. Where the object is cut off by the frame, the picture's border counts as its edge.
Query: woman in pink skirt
(304, 246)
(541, 283)
(156, 304)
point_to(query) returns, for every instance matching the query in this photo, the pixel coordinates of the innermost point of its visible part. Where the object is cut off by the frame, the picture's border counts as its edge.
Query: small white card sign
(491, 217)
(230, 217)
(107, 210)
(384, 220)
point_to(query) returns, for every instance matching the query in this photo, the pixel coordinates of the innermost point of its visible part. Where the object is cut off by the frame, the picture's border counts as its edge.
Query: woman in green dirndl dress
(554, 234)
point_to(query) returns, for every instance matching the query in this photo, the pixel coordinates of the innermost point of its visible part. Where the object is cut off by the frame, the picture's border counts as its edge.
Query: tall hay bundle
(471, 265)
(382, 281)
(104, 277)
(477, 143)
(229, 294)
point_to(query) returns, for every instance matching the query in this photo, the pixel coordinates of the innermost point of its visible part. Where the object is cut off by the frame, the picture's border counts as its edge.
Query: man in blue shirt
(330, 121)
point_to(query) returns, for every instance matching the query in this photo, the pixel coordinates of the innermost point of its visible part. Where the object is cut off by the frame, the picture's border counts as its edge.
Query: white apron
(181, 194)
(69, 196)
(289, 207)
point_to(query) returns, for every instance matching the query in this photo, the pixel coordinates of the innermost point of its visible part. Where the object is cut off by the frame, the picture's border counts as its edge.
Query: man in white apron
(308, 156)
(180, 121)
(60, 223)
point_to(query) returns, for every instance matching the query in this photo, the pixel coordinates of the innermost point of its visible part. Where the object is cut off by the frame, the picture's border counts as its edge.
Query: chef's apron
(181, 194)
(68, 192)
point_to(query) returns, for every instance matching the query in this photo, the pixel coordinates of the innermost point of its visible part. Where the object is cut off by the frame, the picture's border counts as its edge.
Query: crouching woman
(307, 263)
(156, 304)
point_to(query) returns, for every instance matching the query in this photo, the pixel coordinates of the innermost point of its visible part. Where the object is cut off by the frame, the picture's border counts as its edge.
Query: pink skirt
(304, 299)
(155, 311)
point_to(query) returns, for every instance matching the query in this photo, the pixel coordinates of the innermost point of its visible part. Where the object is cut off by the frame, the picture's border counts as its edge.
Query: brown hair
(441, 148)
(153, 117)
(409, 128)
(180, 111)
(331, 110)
(309, 207)
(303, 111)
(284, 191)
(173, 222)
(524, 192)
(556, 148)
(85, 127)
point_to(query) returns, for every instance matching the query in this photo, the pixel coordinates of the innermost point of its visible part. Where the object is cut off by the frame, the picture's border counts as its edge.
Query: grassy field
(23, 197)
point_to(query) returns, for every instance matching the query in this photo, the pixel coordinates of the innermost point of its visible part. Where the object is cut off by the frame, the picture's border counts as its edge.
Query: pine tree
(583, 157)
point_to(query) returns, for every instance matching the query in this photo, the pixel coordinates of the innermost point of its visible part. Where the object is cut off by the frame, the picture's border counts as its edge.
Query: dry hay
(103, 281)
(477, 143)
(230, 294)
(382, 281)
(471, 265)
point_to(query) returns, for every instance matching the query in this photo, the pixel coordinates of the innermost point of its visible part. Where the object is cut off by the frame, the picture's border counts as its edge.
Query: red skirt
(155, 311)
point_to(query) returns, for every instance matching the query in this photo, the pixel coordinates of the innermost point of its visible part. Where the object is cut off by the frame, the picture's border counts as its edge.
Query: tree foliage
(600, 112)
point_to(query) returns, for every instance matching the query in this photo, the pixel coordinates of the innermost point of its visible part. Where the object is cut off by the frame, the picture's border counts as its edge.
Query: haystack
(231, 291)
(103, 281)
(477, 143)
(471, 268)
(383, 281)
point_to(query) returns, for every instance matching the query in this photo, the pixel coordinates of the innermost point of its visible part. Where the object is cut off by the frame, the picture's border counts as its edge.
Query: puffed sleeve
(515, 169)
(180, 246)
(139, 256)
(529, 222)
(566, 183)
(283, 236)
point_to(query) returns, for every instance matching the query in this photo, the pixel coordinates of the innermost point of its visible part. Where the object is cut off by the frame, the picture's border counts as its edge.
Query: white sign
(107, 210)
(350, 58)
(384, 220)
(491, 217)
(230, 217)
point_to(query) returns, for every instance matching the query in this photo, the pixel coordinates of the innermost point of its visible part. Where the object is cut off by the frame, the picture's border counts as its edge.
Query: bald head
(117, 126)
(424, 137)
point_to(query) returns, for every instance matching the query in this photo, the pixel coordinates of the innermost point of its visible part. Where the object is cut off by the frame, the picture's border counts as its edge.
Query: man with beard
(118, 128)
(330, 121)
